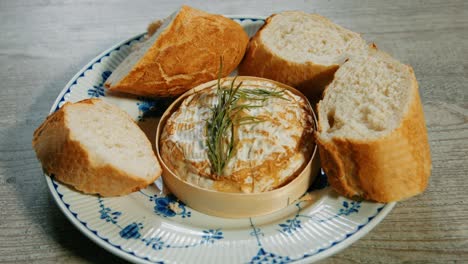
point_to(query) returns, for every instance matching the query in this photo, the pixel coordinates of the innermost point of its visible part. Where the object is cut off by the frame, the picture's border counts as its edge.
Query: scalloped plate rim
(130, 256)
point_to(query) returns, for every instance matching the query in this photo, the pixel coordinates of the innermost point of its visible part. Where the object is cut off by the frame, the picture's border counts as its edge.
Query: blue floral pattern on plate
(133, 229)
(152, 107)
(168, 206)
(294, 224)
(107, 213)
(212, 235)
(99, 90)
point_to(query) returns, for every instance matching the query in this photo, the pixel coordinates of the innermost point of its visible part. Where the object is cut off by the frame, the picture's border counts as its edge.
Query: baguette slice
(301, 50)
(371, 134)
(181, 53)
(96, 148)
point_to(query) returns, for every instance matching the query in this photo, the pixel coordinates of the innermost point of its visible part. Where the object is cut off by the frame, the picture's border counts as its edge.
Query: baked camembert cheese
(267, 138)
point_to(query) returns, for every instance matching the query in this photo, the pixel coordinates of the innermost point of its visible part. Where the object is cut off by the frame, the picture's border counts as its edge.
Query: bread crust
(68, 160)
(308, 77)
(186, 54)
(392, 168)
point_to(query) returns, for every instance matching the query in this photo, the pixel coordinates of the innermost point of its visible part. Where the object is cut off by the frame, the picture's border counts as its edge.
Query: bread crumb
(174, 206)
(153, 27)
(306, 197)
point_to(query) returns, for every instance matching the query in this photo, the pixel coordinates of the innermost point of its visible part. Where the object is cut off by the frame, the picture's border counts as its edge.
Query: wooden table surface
(44, 43)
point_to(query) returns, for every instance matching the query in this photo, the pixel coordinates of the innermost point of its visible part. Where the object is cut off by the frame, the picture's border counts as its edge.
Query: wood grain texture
(44, 43)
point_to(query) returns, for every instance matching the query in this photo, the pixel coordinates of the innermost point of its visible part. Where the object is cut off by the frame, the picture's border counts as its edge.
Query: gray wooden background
(44, 43)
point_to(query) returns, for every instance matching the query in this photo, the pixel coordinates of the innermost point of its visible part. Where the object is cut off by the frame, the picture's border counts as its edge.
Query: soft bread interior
(302, 37)
(127, 64)
(111, 138)
(367, 99)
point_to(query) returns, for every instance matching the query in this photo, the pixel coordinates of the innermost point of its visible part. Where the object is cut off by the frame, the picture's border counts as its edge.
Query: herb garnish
(225, 114)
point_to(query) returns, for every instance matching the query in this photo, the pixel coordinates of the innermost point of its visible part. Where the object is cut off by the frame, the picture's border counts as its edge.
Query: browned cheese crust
(387, 169)
(267, 171)
(186, 54)
(307, 77)
(68, 161)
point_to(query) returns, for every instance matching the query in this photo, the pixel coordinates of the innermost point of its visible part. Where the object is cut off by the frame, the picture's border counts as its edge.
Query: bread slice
(301, 50)
(182, 53)
(371, 134)
(97, 148)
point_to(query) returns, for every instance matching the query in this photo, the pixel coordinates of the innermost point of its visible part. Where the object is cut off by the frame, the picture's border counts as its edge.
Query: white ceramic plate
(142, 228)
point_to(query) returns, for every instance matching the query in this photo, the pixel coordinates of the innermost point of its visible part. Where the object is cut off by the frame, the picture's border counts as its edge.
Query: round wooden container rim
(207, 85)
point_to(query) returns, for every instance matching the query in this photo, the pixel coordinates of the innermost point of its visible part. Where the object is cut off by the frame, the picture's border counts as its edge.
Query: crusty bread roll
(97, 148)
(183, 52)
(371, 134)
(301, 50)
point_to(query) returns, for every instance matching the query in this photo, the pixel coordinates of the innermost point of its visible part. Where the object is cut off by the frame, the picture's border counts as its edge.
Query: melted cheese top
(267, 154)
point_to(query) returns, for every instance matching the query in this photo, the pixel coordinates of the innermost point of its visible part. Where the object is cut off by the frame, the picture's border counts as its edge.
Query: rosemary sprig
(225, 114)
(261, 94)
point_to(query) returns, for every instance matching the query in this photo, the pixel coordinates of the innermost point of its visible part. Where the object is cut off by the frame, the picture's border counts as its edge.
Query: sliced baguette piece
(371, 134)
(301, 50)
(97, 148)
(180, 54)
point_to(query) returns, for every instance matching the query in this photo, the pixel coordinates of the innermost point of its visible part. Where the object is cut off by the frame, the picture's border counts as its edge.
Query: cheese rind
(267, 154)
